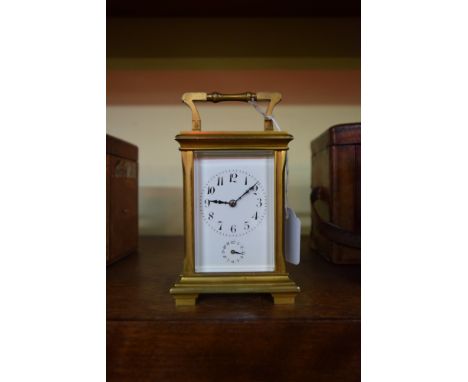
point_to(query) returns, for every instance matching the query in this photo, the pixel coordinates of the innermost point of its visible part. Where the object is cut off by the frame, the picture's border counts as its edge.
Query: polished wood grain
(233, 351)
(230, 337)
(336, 176)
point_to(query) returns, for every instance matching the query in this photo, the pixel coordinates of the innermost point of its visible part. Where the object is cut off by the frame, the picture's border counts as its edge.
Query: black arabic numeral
(211, 190)
(233, 178)
(211, 216)
(246, 225)
(245, 181)
(207, 203)
(259, 202)
(220, 180)
(233, 228)
(255, 216)
(220, 225)
(255, 189)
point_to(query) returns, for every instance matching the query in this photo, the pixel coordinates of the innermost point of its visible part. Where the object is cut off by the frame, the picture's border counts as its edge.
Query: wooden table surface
(230, 337)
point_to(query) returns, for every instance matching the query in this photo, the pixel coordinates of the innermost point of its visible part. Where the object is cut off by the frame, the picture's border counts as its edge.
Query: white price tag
(292, 235)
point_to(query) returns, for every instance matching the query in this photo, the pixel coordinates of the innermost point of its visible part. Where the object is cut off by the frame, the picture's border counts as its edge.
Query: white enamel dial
(234, 217)
(233, 202)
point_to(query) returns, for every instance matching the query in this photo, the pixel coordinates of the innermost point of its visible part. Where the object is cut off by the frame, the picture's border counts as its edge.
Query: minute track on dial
(246, 212)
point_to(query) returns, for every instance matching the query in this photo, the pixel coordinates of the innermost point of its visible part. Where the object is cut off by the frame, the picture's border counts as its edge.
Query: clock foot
(283, 298)
(185, 299)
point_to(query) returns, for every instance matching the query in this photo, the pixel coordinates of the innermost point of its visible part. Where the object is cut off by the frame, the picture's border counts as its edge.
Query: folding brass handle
(189, 98)
(243, 97)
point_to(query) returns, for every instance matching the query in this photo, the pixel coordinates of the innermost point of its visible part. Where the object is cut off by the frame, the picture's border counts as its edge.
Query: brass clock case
(191, 283)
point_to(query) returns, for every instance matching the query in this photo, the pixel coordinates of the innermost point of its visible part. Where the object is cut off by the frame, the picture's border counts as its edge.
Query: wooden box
(336, 194)
(121, 199)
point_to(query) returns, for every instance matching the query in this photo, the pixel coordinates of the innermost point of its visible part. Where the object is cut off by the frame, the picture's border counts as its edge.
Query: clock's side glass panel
(234, 211)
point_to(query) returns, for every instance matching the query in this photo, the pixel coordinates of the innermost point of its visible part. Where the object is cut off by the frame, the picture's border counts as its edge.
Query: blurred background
(157, 51)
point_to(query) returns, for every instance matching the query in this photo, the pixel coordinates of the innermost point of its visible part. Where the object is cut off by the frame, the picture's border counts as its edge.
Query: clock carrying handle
(190, 98)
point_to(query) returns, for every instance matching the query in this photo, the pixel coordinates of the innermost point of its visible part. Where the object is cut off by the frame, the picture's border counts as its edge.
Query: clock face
(234, 211)
(233, 202)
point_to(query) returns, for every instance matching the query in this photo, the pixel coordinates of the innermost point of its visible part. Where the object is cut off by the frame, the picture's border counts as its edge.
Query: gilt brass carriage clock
(233, 207)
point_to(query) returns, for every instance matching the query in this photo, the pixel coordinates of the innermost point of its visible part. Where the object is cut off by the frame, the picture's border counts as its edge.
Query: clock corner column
(188, 171)
(280, 163)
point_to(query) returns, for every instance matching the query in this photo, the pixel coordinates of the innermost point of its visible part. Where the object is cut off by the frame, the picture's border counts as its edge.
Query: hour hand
(218, 201)
(233, 252)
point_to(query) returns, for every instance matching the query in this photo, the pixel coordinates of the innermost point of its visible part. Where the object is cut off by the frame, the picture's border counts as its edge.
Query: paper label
(292, 232)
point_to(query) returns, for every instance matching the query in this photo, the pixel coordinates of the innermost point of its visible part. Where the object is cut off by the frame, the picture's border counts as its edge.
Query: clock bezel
(204, 256)
(273, 141)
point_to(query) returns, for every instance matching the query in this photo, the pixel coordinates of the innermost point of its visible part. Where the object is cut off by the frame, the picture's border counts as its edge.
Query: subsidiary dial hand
(236, 253)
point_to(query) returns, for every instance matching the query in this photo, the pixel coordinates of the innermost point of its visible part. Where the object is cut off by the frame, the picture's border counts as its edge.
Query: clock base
(186, 299)
(284, 298)
(281, 287)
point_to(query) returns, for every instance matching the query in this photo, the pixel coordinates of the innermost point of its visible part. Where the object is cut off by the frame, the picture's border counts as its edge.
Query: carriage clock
(234, 201)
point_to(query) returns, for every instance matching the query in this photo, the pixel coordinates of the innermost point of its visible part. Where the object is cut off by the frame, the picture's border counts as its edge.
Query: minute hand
(246, 192)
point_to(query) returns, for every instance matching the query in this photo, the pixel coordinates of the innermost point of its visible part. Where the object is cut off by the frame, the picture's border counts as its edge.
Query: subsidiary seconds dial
(233, 202)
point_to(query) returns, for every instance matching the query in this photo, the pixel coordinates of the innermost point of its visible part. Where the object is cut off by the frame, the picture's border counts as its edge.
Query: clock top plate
(206, 140)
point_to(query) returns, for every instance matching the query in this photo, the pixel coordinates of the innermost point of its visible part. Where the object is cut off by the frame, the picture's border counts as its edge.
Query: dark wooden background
(239, 8)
